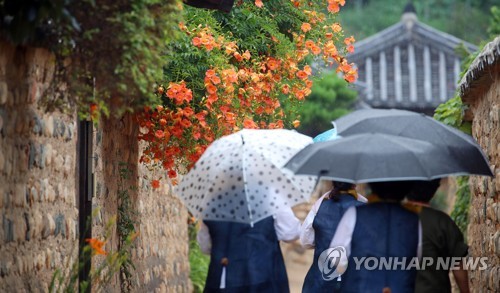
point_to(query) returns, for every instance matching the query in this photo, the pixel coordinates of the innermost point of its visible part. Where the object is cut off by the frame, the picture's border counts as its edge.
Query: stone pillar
(161, 251)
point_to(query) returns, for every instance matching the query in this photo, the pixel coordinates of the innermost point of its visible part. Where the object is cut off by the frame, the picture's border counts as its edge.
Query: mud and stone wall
(38, 232)
(39, 188)
(484, 216)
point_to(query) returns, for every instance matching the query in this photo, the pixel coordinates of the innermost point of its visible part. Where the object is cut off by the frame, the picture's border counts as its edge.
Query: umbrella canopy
(240, 177)
(373, 157)
(418, 126)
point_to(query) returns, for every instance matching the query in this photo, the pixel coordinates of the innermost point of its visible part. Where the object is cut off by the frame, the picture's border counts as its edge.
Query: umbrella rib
(418, 160)
(243, 154)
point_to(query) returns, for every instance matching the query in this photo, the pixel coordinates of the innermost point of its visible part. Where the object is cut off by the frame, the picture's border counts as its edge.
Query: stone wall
(161, 252)
(38, 229)
(38, 188)
(484, 217)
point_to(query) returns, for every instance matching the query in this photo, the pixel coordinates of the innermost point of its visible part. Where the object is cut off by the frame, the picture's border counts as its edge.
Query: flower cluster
(240, 87)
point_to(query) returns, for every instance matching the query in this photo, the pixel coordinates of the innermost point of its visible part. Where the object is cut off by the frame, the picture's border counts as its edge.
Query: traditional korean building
(408, 65)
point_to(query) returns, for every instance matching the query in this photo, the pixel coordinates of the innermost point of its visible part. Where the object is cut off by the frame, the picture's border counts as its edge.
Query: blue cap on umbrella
(327, 135)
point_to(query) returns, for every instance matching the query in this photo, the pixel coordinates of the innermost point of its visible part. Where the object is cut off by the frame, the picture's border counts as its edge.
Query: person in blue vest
(245, 258)
(375, 234)
(441, 239)
(319, 227)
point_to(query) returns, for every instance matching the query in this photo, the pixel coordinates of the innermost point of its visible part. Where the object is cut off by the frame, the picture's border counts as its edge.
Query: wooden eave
(402, 33)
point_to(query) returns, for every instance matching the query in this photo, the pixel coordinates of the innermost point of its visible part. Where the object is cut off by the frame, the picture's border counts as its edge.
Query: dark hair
(338, 187)
(423, 191)
(392, 190)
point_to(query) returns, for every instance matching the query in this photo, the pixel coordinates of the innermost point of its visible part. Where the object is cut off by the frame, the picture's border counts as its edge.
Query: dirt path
(297, 261)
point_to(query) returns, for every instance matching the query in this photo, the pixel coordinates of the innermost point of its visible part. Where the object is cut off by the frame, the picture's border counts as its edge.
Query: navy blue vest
(382, 229)
(325, 223)
(252, 256)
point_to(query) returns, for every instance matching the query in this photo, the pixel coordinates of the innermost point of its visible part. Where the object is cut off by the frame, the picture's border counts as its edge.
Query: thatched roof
(487, 60)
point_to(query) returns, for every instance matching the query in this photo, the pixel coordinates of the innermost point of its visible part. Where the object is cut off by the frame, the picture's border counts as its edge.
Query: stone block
(19, 228)
(2, 160)
(32, 154)
(19, 263)
(48, 258)
(51, 194)
(58, 162)
(48, 154)
(19, 196)
(43, 183)
(49, 226)
(35, 92)
(49, 126)
(68, 165)
(23, 158)
(1, 123)
(60, 129)
(70, 130)
(496, 243)
(60, 226)
(8, 229)
(40, 156)
(37, 124)
(4, 92)
(36, 225)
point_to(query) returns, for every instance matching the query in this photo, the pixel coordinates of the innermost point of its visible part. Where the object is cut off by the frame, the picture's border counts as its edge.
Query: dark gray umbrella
(373, 157)
(461, 146)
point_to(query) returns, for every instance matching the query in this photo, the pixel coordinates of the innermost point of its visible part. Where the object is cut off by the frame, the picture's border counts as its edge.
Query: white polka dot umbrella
(240, 177)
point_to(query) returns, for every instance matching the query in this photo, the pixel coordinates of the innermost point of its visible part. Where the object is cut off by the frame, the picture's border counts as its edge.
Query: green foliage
(65, 279)
(452, 113)
(439, 202)
(127, 219)
(109, 53)
(29, 21)
(460, 213)
(330, 99)
(494, 28)
(197, 261)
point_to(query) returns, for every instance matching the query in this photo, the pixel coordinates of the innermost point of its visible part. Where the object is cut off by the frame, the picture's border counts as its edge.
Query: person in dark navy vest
(375, 234)
(245, 258)
(319, 227)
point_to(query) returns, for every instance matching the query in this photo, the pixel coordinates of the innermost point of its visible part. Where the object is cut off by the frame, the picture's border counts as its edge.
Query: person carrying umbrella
(242, 194)
(320, 225)
(382, 228)
(441, 238)
(245, 258)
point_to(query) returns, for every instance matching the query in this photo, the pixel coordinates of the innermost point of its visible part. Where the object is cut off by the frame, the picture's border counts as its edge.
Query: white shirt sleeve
(287, 225)
(204, 240)
(343, 236)
(362, 198)
(306, 229)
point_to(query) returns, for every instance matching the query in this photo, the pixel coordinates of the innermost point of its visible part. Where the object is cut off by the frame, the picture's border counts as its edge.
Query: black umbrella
(373, 157)
(409, 124)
